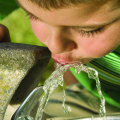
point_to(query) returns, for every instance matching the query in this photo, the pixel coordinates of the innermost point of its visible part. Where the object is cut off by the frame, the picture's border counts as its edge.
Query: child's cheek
(40, 30)
(89, 47)
(100, 45)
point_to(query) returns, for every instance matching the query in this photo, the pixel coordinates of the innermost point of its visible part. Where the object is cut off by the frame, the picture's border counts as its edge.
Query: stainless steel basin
(98, 118)
(114, 117)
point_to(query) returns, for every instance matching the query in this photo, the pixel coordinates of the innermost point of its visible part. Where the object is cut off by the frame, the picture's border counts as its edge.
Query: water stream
(56, 79)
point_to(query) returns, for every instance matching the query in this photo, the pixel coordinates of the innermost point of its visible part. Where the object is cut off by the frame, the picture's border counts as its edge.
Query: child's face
(79, 33)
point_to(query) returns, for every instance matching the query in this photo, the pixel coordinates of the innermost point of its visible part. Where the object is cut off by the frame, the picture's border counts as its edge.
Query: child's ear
(4, 34)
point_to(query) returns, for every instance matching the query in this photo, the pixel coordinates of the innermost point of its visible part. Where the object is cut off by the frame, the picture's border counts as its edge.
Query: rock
(21, 68)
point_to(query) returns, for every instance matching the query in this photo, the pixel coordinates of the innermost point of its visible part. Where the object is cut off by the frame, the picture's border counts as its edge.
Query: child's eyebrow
(94, 26)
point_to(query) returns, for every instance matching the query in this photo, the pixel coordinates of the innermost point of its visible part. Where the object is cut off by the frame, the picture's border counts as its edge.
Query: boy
(85, 31)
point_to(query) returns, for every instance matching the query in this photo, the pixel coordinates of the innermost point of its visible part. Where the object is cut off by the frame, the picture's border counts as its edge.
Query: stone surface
(21, 67)
(11, 109)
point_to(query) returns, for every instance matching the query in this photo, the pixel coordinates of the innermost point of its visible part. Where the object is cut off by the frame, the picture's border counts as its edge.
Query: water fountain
(40, 96)
(21, 67)
(23, 64)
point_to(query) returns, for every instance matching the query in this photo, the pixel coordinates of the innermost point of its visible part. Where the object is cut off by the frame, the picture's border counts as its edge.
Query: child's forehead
(84, 6)
(84, 13)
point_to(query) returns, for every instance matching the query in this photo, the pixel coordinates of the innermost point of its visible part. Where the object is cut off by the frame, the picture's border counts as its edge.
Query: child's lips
(67, 60)
(62, 60)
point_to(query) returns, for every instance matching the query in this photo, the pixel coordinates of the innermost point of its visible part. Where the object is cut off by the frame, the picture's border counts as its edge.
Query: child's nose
(60, 42)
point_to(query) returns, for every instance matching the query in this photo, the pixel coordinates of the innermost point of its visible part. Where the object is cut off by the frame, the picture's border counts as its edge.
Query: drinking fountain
(21, 68)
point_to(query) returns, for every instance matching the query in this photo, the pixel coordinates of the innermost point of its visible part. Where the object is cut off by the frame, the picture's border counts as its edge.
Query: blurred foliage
(21, 32)
(20, 28)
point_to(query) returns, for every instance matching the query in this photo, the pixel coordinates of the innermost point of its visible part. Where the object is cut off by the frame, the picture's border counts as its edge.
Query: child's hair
(47, 4)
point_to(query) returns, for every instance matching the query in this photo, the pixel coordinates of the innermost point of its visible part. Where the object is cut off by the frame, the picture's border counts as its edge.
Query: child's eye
(88, 33)
(32, 16)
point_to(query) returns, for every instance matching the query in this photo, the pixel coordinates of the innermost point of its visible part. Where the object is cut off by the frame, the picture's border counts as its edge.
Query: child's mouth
(62, 60)
(66, 60)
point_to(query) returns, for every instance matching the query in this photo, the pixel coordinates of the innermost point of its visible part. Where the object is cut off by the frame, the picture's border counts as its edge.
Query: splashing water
(56, 79)
(51, 83)
(93, 74)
